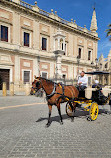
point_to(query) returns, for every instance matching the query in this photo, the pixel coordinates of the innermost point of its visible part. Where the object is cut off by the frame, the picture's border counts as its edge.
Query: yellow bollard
(27, 89)
(12, 89)
(4, 89)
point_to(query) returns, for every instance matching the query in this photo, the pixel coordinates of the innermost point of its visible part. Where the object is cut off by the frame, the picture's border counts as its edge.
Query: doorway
(4, 77)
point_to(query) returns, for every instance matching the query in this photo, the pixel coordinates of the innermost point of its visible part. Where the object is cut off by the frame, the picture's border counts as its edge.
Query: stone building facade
(104, 64)
(30, 37)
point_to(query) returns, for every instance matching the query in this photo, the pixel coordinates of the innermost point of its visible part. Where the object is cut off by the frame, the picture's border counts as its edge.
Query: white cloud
(104, 44)
(104, 47)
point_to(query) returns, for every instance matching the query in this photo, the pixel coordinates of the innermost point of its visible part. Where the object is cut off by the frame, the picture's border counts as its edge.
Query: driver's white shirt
(84, 80)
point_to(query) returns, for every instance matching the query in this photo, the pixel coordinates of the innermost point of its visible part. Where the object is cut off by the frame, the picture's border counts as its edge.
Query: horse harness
(62, 96)
(48, 96)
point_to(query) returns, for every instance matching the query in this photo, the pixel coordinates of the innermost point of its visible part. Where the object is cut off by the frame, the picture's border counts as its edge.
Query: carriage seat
(88, 92)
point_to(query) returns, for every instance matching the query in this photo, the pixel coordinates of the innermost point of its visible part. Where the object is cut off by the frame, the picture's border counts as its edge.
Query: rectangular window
(4, 33)
(89, 55)
(26, 76)
(26, 39)
(62, 46)
(79, 52)
(44, 43)
(65, 49)
(44, 74)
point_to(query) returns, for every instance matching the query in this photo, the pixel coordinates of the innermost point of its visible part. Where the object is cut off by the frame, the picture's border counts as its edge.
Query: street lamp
(78, 61)
(38, 58)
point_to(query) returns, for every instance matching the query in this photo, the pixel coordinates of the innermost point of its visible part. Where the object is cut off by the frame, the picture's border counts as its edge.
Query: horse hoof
(47, 125)
(61, 122)
(72, 120)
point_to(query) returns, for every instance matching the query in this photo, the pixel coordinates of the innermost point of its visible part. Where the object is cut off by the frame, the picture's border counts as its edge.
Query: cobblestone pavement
(23, 132)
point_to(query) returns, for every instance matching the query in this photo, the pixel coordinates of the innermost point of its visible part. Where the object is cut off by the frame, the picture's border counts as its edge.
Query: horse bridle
(53, 92)
(47, 95)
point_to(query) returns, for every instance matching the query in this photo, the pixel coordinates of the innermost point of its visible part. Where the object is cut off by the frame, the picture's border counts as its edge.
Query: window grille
(26, 76)
(44, 43)
(26, 39)
(44, 74)
(4, 33)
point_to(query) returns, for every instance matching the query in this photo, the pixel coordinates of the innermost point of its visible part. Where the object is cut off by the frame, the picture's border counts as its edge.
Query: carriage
(92, 98)
(57, 93)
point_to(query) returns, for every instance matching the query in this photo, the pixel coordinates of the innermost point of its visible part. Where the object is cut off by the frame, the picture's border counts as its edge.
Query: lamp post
(38, 58)
(78, 61)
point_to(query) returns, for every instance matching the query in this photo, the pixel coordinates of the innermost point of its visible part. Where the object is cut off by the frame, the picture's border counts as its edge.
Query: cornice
(70, 60)
(26, 28)
(45, 33)
(6, 21)
(20, 8)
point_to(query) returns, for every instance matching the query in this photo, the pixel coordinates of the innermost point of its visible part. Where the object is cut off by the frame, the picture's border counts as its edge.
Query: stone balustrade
(54, 16)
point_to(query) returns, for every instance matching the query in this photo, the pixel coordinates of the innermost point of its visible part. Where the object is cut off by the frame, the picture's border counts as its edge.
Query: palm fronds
(108, 32)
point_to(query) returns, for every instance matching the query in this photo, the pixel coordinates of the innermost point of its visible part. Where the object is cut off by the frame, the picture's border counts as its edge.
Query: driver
(82, 81)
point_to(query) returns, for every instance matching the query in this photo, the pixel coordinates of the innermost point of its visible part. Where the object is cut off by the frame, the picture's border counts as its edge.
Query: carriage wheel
(69, 109)
(94, 111)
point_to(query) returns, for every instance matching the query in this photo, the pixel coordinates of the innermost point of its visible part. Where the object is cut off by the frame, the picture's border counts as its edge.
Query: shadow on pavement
(78, 114)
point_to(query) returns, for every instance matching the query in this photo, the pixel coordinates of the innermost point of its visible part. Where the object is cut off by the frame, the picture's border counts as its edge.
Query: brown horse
(55, 94)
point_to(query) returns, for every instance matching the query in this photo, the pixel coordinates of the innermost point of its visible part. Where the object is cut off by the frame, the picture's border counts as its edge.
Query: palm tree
(109, 32)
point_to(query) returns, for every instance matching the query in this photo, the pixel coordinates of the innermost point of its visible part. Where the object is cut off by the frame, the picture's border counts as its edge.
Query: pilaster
(16, 28)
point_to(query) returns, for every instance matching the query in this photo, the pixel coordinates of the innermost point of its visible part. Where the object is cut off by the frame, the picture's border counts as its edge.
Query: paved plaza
(23, 132)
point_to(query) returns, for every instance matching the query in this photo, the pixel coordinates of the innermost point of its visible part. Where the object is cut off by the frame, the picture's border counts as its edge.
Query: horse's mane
(47, 80)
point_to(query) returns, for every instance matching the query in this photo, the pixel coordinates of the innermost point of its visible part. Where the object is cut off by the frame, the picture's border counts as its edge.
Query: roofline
(79, 29)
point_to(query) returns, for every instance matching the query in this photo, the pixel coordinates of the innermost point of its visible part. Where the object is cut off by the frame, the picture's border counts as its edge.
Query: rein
(54, 91)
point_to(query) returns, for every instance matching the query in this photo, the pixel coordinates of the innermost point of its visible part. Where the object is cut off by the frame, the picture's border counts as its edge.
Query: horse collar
(53, 92)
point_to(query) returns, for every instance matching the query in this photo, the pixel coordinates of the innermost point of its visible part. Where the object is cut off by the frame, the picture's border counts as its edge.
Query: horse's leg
(59, 111)
(74, 107)
(49, 120)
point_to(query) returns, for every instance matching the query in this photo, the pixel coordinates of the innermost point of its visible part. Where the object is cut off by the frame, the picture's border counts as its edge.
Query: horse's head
(36, 85)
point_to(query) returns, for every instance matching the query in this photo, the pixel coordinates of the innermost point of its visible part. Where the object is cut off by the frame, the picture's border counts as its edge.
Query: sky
(81, 11)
